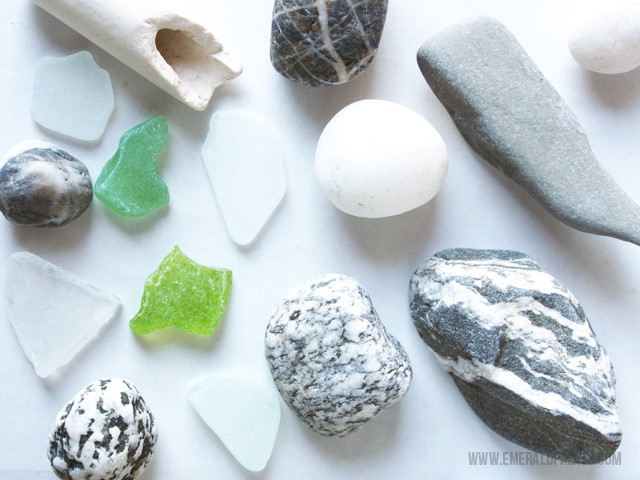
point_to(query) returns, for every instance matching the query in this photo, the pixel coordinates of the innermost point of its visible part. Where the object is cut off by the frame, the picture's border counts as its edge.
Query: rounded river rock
(521, 350)
(106, 432)
(331, 357)
(43, 186)
(325, 42)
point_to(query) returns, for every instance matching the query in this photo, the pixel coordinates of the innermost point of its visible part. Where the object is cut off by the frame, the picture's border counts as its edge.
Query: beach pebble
(511, 116)
(331, 358)
(606, 38)
(376, 159)
(325, 42)
(43, 186)
(521, 351)
(106, 432)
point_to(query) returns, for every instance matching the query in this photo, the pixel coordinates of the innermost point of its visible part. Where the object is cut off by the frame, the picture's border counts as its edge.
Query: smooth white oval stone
(73, 96)
(246, 167)
(606, 38)
(243, 411)
(377, 158)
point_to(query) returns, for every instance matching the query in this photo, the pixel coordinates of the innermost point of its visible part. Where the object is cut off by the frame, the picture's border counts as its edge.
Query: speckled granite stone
(331, 358)
(513, 117)
(521, 350)
(106, 432)
(325, 42)
(43, 186)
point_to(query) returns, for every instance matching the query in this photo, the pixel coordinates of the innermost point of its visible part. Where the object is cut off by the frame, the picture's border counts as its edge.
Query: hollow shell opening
(190, 60)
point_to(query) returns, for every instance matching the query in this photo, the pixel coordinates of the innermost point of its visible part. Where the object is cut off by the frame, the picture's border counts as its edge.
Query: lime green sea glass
(183, 294)
(129, 183)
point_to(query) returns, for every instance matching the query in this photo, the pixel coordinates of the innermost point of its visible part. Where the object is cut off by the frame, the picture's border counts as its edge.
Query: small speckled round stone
(43, 186)
(331, 358)
(106, 432)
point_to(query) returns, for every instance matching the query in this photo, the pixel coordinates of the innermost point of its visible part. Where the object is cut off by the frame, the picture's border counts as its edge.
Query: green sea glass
(183, 294)
(129, 183)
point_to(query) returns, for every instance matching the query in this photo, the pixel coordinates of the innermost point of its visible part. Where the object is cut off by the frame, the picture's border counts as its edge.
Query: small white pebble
(606, 37)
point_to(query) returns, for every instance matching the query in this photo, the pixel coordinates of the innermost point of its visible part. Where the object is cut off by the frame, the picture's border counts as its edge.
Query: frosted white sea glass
(53, 313)
(243, 411)
(72, 95)
(245, 164)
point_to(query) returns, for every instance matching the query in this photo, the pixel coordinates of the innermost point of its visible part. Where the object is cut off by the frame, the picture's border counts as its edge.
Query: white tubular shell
(177, 54)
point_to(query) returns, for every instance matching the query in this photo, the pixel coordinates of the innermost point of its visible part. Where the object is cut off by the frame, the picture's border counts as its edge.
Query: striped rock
(331, 358)
(325, 42)
(520, 349)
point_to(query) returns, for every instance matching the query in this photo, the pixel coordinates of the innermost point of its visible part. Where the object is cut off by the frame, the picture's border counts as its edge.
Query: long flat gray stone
(515, 119)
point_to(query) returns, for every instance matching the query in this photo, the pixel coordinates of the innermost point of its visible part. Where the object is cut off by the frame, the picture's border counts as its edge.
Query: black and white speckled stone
(331, 357)
(512, 116)
(43, 186)
(325, 42)
(106, 432)
(520, 349)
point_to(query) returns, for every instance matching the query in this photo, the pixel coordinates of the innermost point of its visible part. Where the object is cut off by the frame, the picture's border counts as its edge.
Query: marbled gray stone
(43, 186)
(513, 117)
(521, 350)
(331, 357)
(325, 42)
(106, 432)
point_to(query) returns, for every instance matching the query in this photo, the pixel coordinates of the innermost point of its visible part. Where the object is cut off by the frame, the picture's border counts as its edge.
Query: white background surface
(430, 432)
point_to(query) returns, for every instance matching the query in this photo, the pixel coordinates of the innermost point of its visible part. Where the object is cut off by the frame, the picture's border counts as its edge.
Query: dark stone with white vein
(325, 42)
(521, 350)
(331, 358)
(106, 432)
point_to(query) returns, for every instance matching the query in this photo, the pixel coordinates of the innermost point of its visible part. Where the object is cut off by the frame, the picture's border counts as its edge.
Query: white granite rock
(106, 432)
(606, 36)
(72, 95)
(243, 411)
(246, 167)
(53, 313)
(331, 358)
(377, 158)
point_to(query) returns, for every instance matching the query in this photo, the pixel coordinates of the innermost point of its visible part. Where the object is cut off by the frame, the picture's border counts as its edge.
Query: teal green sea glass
(129, 183)
(183, 294)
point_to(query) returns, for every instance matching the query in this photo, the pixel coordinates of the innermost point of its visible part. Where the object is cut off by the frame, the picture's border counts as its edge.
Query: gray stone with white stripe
(520, 349)
(331, 358)
(325, 42)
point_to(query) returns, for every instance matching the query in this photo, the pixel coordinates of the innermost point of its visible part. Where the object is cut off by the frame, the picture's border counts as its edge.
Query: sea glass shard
(73, 96)
(129, 183)
(243, 411)
(53, 313)
(183, 294)
(245, 164)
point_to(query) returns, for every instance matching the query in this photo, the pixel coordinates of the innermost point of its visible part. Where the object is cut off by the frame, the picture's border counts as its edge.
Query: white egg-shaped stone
(376, 159)
(606, 37)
